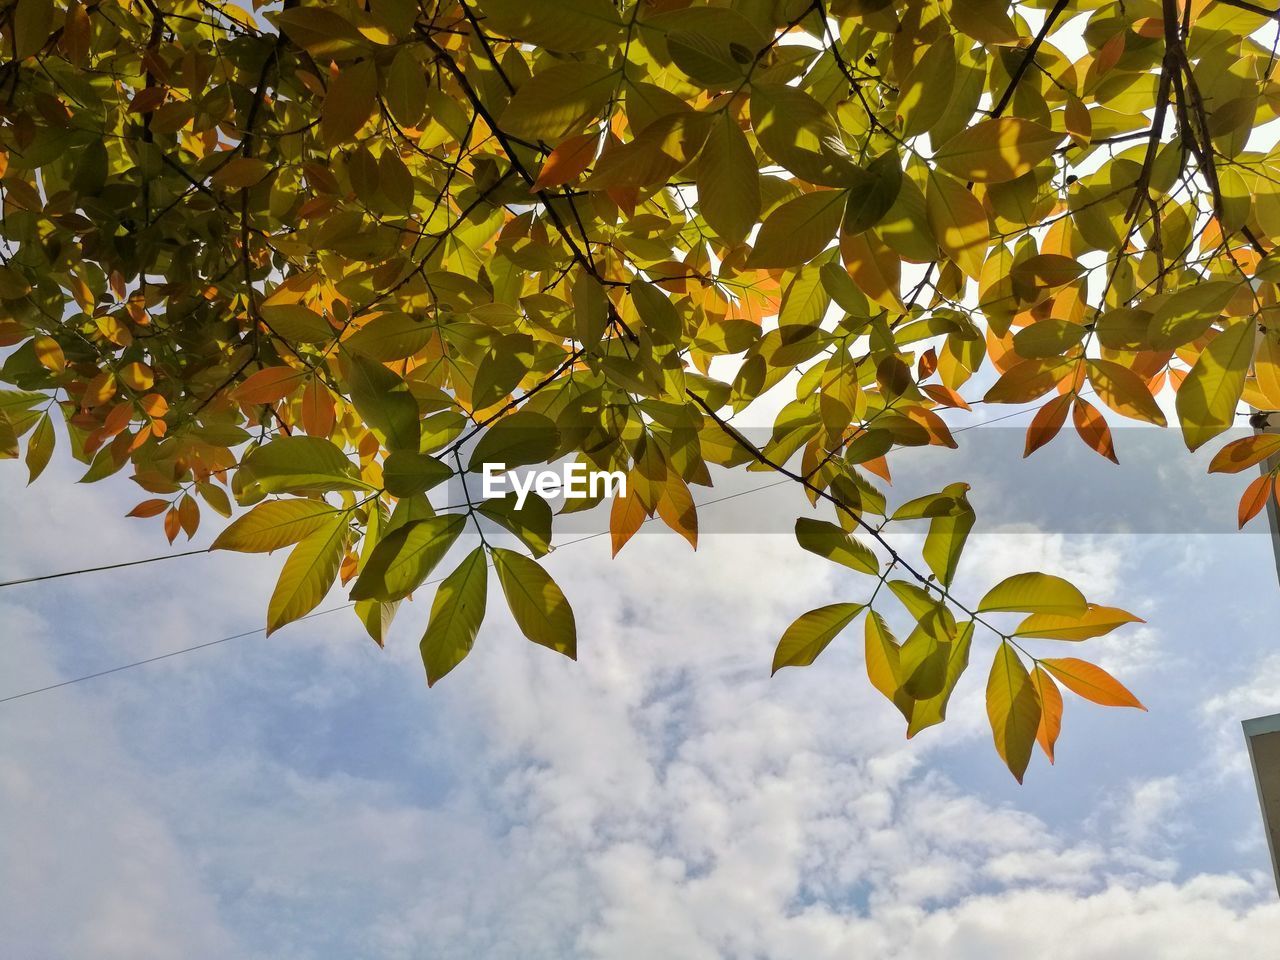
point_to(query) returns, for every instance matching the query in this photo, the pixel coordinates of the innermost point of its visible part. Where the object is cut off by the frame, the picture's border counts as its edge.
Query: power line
(109, 566)
(310, 616)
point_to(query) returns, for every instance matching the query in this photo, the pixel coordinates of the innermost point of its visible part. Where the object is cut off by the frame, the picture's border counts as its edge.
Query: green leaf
(32, 23)
(299, 464)
(275, 524)
(1208, 397)
(873, 194)
(922, 663)
(531, 523)
(728, 181)
(1187, 313)
(933, 710)
(1034, 593)
(567, 25)
(40, 447)
(405, 88)
(926, 91)
(997, 150)
(349, 102)
(516, 440)
(809, 635)
(1013, 709)
(405, 557)
(390, 336)
(798, 230)
(308, 573)
(796, 131)
(405, 473)
(559, 101)
(384, 400)
(947, 536)
(830, 541)
(456, 614)
(539, 607)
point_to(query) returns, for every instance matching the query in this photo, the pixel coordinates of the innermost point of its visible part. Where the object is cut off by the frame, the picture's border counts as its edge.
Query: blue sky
(306, 796)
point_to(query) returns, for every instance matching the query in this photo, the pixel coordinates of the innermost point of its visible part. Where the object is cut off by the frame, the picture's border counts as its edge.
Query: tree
(304, 260)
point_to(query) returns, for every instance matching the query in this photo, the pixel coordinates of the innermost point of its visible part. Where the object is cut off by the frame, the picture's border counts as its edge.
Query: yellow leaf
(1013, 710)
(958, 221)
(997, 150)
(1034, 593)
(1208, 397)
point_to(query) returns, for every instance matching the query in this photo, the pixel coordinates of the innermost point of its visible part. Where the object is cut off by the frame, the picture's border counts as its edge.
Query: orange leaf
(154, 405)
(317, 409)
(677, 509)
(268, 385)
(1050, 710)
(945, 396)
(1046, 423)
(1244, 453)
(567, 161)
(1254, 498)
(149, 508)
(625, 518)
(1124, 391)
(172, 525)
(1091, 682)
(1093, 429)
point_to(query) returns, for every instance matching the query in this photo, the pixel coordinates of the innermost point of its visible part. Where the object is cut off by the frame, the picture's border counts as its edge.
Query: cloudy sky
(306, 796)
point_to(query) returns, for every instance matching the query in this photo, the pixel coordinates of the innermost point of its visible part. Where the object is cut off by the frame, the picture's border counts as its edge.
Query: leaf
(384, 400)
(933, 710)
(559, 101)
(625, 517)
(1254, 499)
(924, 94)
(1093, 429)
(40, 447)
(537, 604)
(32, 23)
(390, 336)
(406, 472)
(1208, 397)
(405, 88)
(728, 181)
(308, 573)
(1188, 313)
(883, 659)
(269, 385)
(1034, 593)
(522, 438)
(568, 25)
(567, 161)
(1046, 423)
(1246, 452)
(873, 193)
(798, 230)
(296, 323)
(958, 221)
(456, 614)
(997, 150)
(349, 102)
(797, 132)
(1013, 709)
(405, 557)
(275, 524)
(1124, 391)
(830, 541)
(811, 632)
(1050, 710)
(658, 153)
(1094, 622)
(297, 464)
(531, 523)
(1091, 682)
(947, 535)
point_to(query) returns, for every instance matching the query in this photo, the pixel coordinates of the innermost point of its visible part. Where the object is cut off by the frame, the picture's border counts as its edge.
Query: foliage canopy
(303, 260)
